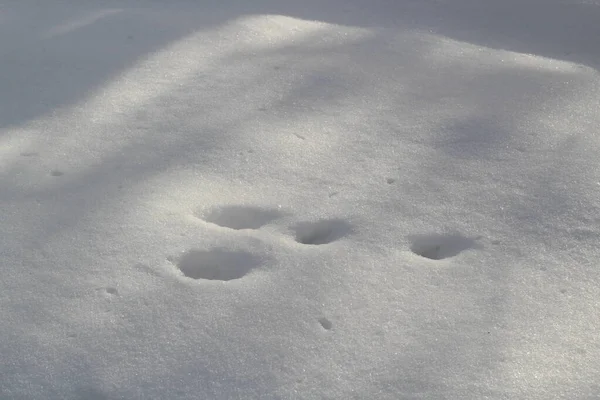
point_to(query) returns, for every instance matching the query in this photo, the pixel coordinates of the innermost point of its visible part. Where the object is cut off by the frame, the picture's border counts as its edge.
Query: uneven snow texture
(342, 199)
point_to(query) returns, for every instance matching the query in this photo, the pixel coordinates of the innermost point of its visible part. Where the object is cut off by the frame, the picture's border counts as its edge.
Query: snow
(299, 200)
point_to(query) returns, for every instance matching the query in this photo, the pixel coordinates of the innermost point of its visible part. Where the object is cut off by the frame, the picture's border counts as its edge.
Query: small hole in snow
(325, 323)
(112, 290)
(241, 217)
(56, 172)
(217, 264)
(321, 232)
(439, 247)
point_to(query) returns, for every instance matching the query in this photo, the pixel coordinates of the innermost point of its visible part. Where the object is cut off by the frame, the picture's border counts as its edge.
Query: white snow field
(340, 199)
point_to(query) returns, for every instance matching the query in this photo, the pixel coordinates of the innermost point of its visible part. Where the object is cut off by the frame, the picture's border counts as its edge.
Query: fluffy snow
(347, 199)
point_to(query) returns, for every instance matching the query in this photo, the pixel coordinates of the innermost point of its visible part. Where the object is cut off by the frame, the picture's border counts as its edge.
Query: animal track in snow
(325, 323)
(240, 217)
(109, 291)
(439, 247)
(321, 232)
(112, 291)
(299, 136)
(29, 154)
(56, 172)
(217, 264)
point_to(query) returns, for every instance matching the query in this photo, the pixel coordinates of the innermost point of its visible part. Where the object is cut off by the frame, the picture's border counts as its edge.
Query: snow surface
(343, 199)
